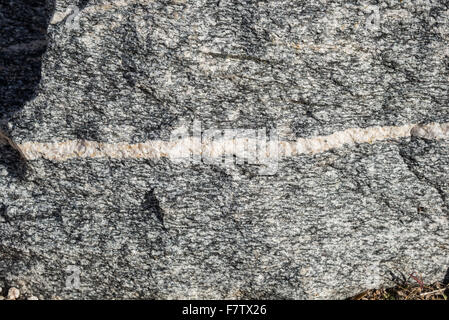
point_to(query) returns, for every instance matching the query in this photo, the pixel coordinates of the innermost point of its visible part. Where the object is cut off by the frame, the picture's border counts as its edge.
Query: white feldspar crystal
(13, 294)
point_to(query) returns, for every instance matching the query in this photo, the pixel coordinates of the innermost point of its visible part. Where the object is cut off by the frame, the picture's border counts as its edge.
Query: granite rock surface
(323, 225)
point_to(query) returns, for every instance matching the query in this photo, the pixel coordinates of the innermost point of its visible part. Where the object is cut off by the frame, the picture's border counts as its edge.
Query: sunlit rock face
(222, 149)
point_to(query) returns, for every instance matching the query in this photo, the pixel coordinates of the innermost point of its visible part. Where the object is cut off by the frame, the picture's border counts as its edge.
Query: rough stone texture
(324, 226)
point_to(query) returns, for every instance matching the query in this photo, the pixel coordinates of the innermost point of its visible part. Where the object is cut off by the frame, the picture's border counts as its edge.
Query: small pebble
(33, 298)
(13, 294)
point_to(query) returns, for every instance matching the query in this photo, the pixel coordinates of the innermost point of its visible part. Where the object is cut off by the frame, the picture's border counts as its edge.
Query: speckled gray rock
(325, 225)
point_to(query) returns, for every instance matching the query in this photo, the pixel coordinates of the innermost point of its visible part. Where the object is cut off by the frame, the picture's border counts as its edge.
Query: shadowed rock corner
(23, 38)
(446, 278)
(11, 157)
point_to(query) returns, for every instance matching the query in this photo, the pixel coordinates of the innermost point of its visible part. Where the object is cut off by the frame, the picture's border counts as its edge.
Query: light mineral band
(186, 147)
